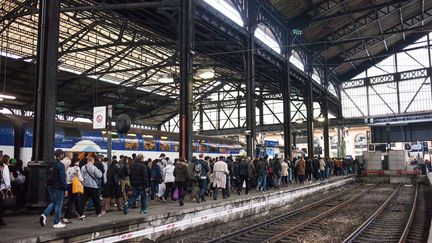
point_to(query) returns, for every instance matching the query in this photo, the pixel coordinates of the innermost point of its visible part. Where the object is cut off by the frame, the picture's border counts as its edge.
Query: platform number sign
(99, 117)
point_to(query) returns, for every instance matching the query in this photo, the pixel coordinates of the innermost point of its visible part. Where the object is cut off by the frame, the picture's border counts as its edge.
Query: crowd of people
(90, 181)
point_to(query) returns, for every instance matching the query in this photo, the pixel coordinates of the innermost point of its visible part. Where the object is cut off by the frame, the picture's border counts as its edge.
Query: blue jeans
(290, 175)
(202, 188)
(262, 182)
(56, 203)
(136, 192)
(154, 189)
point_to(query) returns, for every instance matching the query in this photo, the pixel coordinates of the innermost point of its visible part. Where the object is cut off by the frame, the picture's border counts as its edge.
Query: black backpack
(52, 175)
(198, 170)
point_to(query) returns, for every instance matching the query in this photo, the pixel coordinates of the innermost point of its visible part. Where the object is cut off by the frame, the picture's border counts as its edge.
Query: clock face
(360, 140)
(334, 140)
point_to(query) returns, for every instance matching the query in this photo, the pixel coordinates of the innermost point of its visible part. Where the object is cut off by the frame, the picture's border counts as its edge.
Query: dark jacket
(139, 176)
(262, 166)
(61, 178)
(243, 168)
(180, 172)
(276, 165)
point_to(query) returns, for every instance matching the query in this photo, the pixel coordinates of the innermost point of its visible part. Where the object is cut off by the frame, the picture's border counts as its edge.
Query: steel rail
(362, 227)
(288, 232)
(411, 217)
(290, 213)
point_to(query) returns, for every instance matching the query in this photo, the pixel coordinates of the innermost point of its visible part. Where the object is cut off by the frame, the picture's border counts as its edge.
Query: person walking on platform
(201, 170)
(91, 176)
(73, 198)
(57, 189)
(230, 164)
(168, 178)
(156, 178)
(301, 172)
(139, 177)
(322, 169)
(276, 168)
(112, 187)
(191, 181)
(262, 175)
(220, 173)
(243, 176)
(285, 172)
(5, 186)
(181, 176)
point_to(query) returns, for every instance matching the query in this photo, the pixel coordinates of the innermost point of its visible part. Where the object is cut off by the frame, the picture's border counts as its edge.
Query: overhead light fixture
(1, 99)
(320, 119)
(206, 73)
(299, 120)
(165, 78)
(8, 97)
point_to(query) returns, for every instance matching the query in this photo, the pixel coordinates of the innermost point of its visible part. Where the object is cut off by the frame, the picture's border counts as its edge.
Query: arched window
(265, 34)
(227, 9)
(296, 60)
(315, 76)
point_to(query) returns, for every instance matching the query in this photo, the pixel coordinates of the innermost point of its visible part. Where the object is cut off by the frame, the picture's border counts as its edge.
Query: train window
(131, 141)
(149, 142)
(114, 136)
(213, 148)
(70, 133)
(164, 144)
(195, 146)
(202, 146)
(176, 145)
(224, 149)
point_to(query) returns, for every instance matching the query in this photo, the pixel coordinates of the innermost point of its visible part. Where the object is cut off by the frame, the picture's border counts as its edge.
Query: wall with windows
(399, 84)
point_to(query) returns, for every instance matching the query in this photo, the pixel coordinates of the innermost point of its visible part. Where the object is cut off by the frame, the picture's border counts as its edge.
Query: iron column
(45, 95)
(250, 82)
(186, 81)
(286, 89)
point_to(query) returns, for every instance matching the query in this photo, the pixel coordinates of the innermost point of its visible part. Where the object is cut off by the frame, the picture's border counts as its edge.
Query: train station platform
(162, 219)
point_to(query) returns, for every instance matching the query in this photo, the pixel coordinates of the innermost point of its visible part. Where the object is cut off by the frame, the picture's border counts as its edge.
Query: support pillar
(186, 81)
(45, 95)
(326, 129)
(286, 89)
(201, 117)
(310, 115)
(250, 82)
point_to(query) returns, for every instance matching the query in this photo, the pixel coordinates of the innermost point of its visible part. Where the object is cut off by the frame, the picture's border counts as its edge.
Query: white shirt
(6, 179)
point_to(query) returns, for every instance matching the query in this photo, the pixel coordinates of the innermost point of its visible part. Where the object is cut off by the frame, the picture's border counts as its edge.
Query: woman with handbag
(112, 188)
(73, 176)
(4, 188)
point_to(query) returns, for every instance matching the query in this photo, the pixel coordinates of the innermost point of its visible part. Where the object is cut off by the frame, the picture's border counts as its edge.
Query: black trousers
(94, 195)
(182, 187)
(168, 190)
(240, 184)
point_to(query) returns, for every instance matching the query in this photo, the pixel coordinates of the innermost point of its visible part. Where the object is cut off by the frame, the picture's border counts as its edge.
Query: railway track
(393, 221)
(398, 219)
(278, 228)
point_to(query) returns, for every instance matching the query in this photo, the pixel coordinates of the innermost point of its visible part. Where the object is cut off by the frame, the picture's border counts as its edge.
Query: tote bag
(77, 186)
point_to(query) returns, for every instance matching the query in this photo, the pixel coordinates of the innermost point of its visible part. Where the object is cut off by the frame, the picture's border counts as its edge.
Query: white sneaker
(42, 220)
(59, 225)
(81, 217)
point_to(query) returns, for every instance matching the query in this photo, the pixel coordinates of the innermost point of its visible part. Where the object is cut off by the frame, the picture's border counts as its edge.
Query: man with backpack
(201, 170)
(57, 189)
